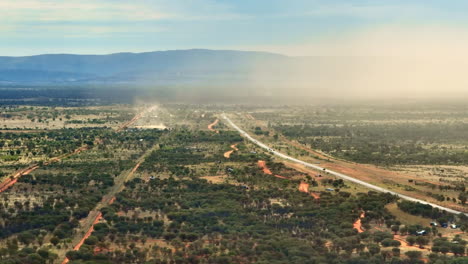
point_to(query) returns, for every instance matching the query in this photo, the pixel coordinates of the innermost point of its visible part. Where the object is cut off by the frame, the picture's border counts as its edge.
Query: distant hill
(164, 67)
(227, 73)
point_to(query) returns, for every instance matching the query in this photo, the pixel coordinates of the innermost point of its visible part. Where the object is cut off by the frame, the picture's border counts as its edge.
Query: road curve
(337, 174)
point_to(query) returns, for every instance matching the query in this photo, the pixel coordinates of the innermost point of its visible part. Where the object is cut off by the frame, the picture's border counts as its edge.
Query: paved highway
(337, 174)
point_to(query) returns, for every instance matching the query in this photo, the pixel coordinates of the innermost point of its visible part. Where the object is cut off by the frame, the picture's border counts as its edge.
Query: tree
(413, 255)
(396, 252)
(462, 197)
(422, 241)
(411, 240)
(373, 249)
(54, 240)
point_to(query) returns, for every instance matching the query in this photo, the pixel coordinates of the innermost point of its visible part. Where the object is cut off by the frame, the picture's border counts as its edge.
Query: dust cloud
(389, 61)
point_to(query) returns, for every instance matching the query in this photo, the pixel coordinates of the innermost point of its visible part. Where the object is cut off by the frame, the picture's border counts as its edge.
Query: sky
(291, 27)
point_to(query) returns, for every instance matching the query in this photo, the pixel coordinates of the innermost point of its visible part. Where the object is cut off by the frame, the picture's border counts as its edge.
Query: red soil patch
(112, 200)
(262, 165)
(358, 225)
(135, 168)
(304, 187)
(98, 250)
(315, 195)
(227, 154)
(266, 170)
(120, 213)
(210, 126)
(235, 147)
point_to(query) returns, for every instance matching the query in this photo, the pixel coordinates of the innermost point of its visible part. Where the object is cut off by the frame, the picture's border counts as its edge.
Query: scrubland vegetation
(179, 199)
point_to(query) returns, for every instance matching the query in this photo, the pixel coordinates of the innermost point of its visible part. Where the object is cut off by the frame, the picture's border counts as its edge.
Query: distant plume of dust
(390, 61)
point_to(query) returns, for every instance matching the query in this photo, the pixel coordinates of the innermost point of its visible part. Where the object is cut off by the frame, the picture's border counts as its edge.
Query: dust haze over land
(391, 62)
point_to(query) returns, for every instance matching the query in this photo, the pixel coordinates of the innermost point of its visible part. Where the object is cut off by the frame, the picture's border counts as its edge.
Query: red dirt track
(12, 180)
(134, 119)
(227, 154)
(304, 187)
(210, 126)
(7, 184)
(358, 225)
(88, 233)
(91, 229)
(266, 170)
(262, 165)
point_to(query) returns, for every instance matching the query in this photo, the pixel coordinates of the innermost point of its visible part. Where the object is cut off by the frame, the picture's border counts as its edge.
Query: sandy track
(266, 170)
(210, 126)
(338, 174)
(95, 215)
(135, 118)
(97, 218)
(358, 225)
(227, 154)
(304, 187)
(88, 233)
(262, 165)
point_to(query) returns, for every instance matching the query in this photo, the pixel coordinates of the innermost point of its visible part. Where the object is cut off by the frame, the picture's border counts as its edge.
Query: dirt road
(210, 126)
(95, 215)
(304, 187)
(135, 118)
(358, 225)
(227, 154)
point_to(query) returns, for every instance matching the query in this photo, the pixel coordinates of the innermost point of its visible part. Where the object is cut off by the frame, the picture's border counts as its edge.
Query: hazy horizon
(366, 48)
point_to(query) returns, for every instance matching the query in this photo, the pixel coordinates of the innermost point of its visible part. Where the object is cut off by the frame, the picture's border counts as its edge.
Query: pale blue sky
(294, 27)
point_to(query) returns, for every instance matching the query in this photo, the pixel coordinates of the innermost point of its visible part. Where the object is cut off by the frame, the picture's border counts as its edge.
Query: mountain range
(160, 67)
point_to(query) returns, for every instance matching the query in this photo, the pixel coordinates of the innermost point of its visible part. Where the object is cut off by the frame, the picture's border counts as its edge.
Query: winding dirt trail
(210, 126)
(227, 154)
(304, 187)
(358, 225)
(262, 165)
(266, 170)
